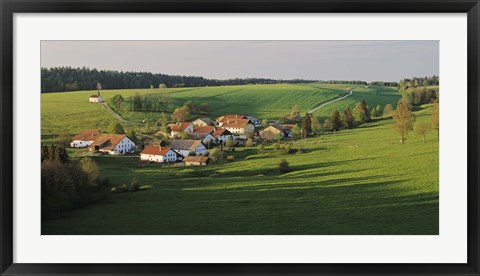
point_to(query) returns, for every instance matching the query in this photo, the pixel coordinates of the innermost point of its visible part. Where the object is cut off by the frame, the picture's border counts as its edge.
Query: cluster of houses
(197, 136)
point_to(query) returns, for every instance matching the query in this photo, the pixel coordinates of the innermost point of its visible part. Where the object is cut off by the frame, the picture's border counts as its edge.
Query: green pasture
(354, 182)
(70, 112)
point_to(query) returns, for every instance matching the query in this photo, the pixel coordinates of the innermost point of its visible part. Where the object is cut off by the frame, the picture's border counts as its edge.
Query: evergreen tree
(115, 128)
(347, 118)
(306, 125)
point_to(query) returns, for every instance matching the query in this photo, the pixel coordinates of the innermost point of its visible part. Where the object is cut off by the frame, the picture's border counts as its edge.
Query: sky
(313, 60)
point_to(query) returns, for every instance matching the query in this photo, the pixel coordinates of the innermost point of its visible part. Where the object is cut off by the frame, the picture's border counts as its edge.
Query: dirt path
(117, 116)
(350, 92)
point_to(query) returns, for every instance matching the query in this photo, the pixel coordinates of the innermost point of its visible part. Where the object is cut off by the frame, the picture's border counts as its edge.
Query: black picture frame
(9, 7)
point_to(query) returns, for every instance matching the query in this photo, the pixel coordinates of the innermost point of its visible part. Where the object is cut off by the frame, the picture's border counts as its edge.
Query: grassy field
(357, 181)
(70, 111)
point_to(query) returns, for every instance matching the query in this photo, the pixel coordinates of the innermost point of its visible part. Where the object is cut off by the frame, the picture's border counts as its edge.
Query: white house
(187, 147)
(158, 154)
(113, 144)
(96, 98)
(222, 135)
(84, 138)
(239, 126)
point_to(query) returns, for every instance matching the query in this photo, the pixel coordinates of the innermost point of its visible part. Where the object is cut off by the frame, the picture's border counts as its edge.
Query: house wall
(125, 146)
(80, 144)
(96, 100)
(209, 138)
(170, 156)
(201, 150)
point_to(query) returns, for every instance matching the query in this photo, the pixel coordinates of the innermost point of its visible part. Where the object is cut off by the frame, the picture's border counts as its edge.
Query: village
(189, 142)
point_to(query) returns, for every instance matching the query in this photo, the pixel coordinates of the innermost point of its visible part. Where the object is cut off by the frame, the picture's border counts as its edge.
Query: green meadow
(71, 112)
(353, 182)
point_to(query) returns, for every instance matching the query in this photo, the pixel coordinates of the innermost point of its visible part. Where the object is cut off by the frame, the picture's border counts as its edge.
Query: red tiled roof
(236, 123)
(203, 129)
(196, 159)
(221, 131)
(87, 135)
(179, 126)
(108, 141)
(230, 116)
(155, 150)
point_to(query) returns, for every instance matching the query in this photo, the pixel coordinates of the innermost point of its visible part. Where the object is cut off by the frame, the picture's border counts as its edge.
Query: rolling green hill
(356, 181)
(70, 111)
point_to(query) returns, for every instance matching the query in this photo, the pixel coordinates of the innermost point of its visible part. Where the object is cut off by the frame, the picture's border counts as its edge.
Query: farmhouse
(203, 122)
(222, 135)
(270, 132)
(96, 98)
(206, 138)
(226, 118)
(113, 144)
(238, 126)
(158, 154)
(188, 147)
(84, 138)
(196, 160)
(178, 128)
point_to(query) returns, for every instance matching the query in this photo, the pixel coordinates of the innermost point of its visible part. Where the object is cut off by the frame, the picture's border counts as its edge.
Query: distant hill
(63, 79)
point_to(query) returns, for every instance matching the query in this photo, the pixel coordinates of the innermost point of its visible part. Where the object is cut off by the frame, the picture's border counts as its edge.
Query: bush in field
(283, 166)
(261, 149)
(216, 155)
(288, 147)
(276, 146)
(230, 158)
(249, 142)
(134, 186)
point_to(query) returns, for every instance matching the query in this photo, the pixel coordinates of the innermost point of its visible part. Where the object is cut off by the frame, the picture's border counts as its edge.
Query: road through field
(350, 92)
(116, 115)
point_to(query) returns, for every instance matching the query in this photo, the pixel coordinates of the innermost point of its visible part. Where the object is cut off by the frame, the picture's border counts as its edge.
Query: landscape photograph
(240, 137)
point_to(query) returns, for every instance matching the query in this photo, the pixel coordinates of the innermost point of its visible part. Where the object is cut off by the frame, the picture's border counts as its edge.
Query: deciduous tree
(404, 119)
(421, 129)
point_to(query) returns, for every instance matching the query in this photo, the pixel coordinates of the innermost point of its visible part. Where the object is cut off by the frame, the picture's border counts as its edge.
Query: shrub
(283, 166)
(230, 158)
(288, 147)
(216, 155)
(276, 146)
(249, 142)
(261, 149)
(120, 189)
(134, 186)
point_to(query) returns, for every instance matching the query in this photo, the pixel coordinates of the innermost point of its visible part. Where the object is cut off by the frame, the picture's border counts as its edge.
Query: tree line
(67, 184)
(62, 79)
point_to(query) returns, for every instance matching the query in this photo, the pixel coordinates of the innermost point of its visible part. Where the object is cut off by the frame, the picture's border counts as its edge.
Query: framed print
(263, 138)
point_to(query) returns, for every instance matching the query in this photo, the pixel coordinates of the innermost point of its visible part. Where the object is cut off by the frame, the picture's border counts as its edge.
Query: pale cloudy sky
(318, 60)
